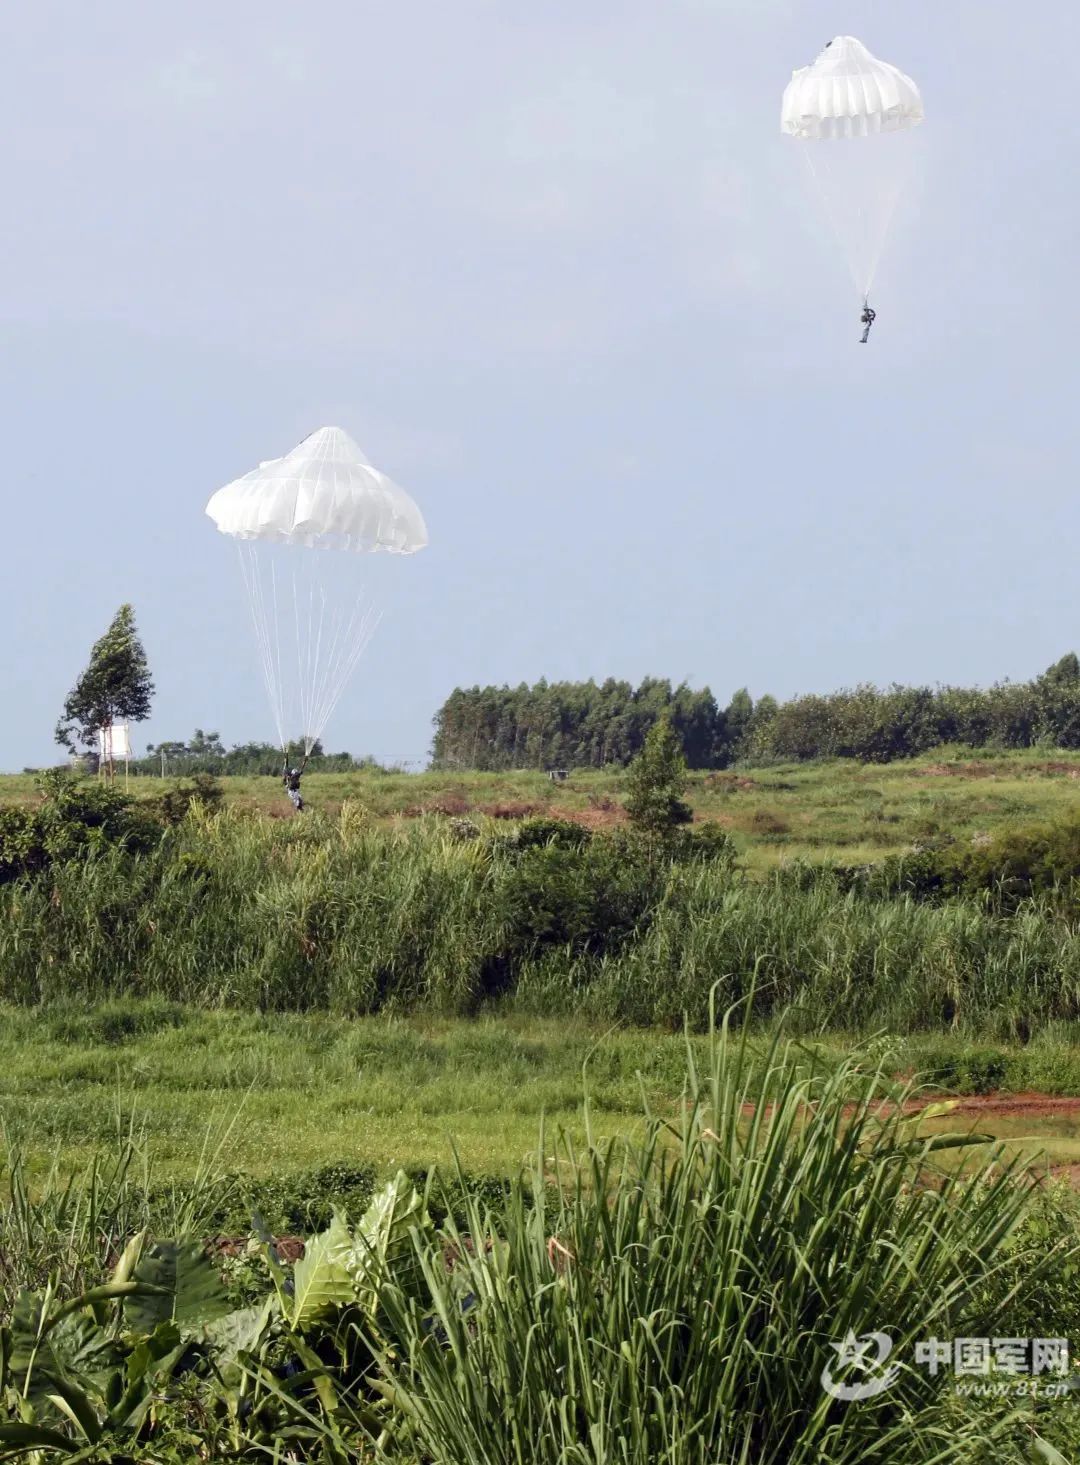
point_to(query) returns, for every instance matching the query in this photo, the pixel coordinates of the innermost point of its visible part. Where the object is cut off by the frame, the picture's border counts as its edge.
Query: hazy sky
(554, 268)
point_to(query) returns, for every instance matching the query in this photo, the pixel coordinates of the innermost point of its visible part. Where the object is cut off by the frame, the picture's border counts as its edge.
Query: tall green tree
(738, 720)
(657, 782)
(115, 687)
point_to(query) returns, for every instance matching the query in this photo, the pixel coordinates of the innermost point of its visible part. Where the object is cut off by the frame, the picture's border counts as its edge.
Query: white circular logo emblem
(864, 1357)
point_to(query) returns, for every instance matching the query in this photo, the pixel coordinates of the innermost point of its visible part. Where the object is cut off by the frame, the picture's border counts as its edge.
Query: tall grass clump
(231, 909)
(842, 959)
(683, 1300)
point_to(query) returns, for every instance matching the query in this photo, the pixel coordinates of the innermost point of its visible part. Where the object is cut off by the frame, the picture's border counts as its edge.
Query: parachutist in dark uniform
(291, 777)
(868, 318)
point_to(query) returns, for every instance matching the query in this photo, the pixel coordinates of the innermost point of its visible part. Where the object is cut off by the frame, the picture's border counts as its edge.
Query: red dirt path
(1015, 1106)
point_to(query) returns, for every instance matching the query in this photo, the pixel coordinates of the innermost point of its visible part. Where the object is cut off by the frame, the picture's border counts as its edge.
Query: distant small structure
(114, 743)
(558, 775)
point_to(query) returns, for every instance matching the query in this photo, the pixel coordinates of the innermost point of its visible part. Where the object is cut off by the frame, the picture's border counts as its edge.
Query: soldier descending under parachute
(842, 110)
(298, 522)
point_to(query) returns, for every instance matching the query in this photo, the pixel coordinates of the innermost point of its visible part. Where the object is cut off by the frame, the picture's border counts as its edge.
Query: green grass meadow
(280, 1094)
(325, 986)
(451, 1042)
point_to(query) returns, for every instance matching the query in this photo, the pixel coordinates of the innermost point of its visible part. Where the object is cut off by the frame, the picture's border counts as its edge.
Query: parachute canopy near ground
(313, 615)
(323, 495)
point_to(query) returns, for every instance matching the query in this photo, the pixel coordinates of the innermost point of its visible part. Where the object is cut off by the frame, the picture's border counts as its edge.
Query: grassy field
(672, 1299)
(838, 811)
(301, 1089)
(252, 1022)
(274, 1094)
(294, 1092)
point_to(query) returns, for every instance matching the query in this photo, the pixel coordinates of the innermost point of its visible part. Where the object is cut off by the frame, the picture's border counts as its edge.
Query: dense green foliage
(1004, 869)
(444, 915)
(586, 725)
(204, 752)
(115, 687)
(73, 819)
(674, 1299)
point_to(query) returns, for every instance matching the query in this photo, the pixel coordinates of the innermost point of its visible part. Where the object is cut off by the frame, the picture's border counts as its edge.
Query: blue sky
(554, 268)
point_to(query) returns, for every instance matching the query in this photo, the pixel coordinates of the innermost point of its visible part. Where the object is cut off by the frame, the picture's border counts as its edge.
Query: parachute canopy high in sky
(299, 522)
(853, 116)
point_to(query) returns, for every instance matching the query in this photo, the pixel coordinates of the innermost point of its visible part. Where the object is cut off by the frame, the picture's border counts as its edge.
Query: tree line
(591, 725)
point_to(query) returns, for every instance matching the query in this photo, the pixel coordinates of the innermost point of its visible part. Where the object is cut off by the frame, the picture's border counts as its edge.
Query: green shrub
(590, 899)
(707, 844)
(656, 782)
(22, 844)
(539, 831)
(75, 818)
(296, 1204)
(1006, 868)
(202, 791)
(969, 1071)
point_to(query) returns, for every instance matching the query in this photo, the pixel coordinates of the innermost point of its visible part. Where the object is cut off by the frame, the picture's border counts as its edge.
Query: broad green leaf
(188, 1290)
(148, 1354)
(44, 1353)
(150, 1365)
(75, 1404)
(16, 1439)
(935, 1110)
(957, 1141)
(321, 1278)
(240, 1331)
(125, 1267)
(320, 1375)
(383, 1243)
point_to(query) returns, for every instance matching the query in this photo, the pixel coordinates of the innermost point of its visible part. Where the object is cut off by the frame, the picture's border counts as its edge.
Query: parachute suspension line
(330, 639)
(280, 714)
(863, 256)
(265, 641)
(347, 648)
(303, 658)
(314, 648)
(830, 213)
(885, 219)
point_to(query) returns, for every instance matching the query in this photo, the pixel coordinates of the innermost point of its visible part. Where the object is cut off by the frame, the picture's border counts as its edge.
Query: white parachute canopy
(299, 522)
(853, 117)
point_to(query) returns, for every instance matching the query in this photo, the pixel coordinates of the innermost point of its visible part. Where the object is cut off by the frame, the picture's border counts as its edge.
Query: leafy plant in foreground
(158, 1358)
